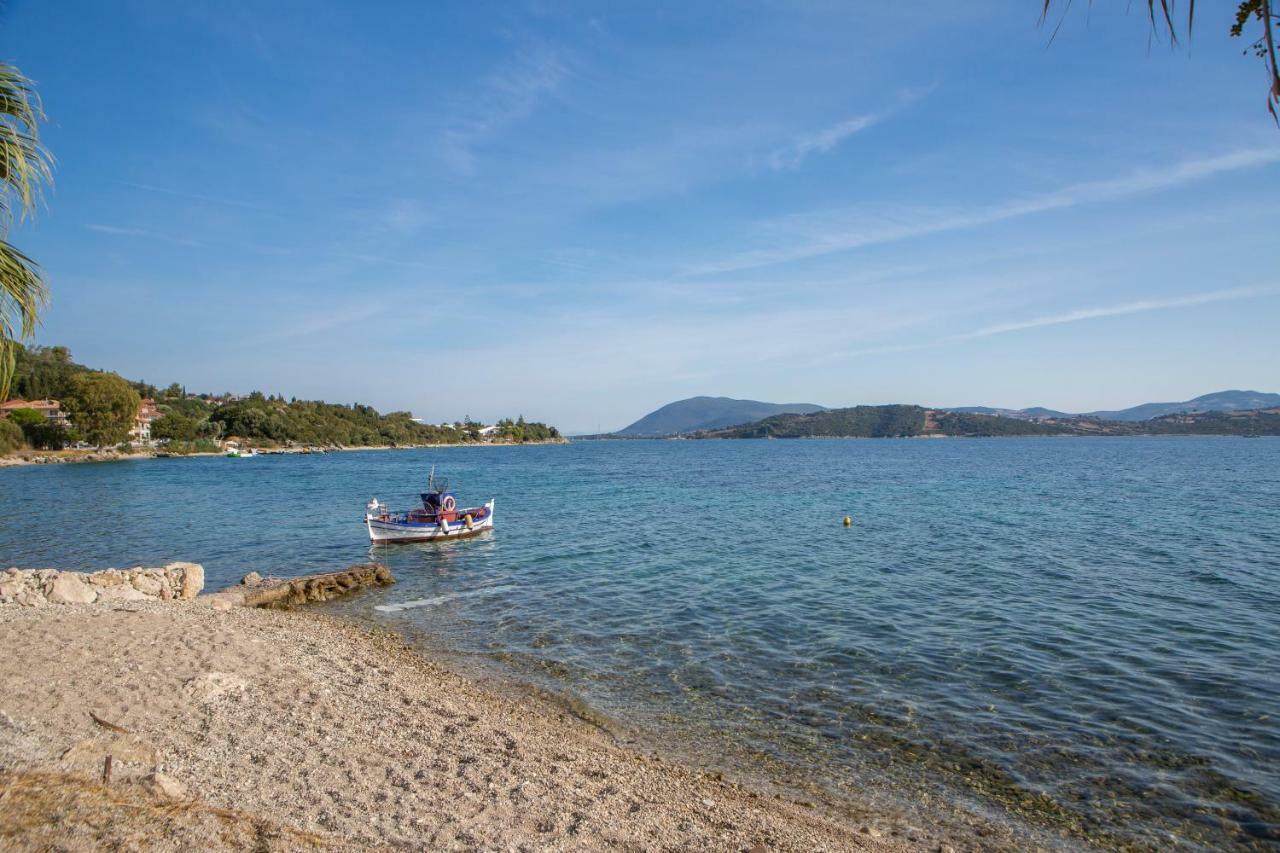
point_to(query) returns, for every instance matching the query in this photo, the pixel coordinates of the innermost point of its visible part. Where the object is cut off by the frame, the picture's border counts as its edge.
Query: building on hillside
(489, 431)
(147, 412)
(51, 409)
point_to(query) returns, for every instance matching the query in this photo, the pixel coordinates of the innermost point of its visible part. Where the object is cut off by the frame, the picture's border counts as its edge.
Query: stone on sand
(70, 588)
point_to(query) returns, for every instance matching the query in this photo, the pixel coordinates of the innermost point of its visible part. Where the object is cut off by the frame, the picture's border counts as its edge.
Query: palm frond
(25, 165)
(22, 294)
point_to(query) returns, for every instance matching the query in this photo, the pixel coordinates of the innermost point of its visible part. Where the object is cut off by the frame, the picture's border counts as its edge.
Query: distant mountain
(895, 421)
(706, 413)
(1219, 401)
(901, 421)
(1020, 414)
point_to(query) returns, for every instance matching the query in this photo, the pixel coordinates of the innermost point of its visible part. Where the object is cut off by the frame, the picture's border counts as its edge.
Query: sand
(289, 730)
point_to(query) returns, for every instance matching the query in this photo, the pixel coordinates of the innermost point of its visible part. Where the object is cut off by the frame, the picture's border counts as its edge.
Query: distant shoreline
(24, 458)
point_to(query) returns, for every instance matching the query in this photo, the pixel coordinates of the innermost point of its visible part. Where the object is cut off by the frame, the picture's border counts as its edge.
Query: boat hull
(393, 531)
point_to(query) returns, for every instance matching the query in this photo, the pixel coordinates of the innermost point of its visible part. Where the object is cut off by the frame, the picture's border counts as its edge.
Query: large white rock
(192, 579)
(70, 588)
(148, 584)
(107, 577)
(123, 592)
(31, 598)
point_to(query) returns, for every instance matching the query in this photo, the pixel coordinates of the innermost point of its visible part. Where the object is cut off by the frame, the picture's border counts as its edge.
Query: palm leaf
(25, 167)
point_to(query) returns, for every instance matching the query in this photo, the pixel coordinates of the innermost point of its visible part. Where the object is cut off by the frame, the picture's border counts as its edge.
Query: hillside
(196, 421)
(707, 413)
(906, 421)
(1218, 401)
(883, 422)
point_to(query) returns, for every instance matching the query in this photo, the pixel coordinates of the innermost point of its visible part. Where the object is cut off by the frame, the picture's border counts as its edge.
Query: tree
(37, 430)
(25, 166)
(175, 427)
(103, 407)
(10, 436)
(1163, 17)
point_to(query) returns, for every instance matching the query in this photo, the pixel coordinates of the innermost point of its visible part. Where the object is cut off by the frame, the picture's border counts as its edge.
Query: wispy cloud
(812, 238)
(504, 97)
(1140, 307)
(1074, 316)
(117, 231)
(820, 142)
(310, 323)
(198, 197)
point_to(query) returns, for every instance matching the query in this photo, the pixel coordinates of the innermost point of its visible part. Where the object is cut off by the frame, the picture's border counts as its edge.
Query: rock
(871, 831)
(210, 685)
(147, 584)
(251, 579)
(165, 786)
(12, 587)
(219, 602)
(30, 598)
(109, 577)
(123, 592)
(70, 588)
(192, 579)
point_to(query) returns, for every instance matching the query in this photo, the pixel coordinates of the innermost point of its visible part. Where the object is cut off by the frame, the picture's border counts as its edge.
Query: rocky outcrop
(256, 591)
(38, 587)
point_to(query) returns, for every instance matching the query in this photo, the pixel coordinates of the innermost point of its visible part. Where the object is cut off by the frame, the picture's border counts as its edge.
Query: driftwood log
(280, 593)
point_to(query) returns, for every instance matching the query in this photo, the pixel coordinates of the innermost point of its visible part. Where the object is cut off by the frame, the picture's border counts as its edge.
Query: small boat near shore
(439, 517)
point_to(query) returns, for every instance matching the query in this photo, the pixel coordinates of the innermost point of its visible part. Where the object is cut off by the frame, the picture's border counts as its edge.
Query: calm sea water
(1079, 633)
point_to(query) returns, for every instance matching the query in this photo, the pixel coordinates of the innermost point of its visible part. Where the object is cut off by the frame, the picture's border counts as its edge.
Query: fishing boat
(439, 517)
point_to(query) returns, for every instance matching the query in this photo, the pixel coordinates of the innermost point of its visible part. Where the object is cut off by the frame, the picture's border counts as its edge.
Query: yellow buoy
(848, 522)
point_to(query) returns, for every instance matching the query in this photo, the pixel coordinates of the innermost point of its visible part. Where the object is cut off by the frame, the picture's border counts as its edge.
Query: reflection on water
(1079, 632)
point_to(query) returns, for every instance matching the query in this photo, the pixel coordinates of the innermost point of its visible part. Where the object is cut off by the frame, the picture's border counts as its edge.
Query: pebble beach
(290, 730)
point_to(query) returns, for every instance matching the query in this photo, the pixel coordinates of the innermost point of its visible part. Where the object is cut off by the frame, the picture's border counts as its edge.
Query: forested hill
(883, 422)
(703, 413)
(196, 421)
(906, 421)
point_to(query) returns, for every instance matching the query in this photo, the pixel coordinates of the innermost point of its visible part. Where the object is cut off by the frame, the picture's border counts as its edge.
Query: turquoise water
(1079, 633)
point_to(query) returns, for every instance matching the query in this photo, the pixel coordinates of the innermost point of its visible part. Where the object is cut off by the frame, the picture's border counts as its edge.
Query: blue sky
(580, 212)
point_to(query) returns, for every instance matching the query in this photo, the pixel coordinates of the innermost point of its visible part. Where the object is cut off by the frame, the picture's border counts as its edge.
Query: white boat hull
(396, 531)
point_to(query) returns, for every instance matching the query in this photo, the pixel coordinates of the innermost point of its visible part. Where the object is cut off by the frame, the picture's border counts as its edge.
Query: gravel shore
(290, 730)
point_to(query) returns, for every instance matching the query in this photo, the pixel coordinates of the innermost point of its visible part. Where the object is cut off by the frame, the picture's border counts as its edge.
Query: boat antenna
(431, 480)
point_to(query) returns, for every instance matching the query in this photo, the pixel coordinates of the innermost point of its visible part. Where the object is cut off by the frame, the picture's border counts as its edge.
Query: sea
(1075, 636)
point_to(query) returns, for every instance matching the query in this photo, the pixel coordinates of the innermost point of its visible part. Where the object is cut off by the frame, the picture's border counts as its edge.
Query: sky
(580, 212)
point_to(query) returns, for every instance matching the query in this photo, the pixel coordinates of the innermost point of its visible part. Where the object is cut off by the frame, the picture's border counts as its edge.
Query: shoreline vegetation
(236, 726)
(116, 416)
(27, 456)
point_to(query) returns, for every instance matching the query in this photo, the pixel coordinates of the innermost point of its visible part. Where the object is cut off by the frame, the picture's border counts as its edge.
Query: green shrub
(10, 436)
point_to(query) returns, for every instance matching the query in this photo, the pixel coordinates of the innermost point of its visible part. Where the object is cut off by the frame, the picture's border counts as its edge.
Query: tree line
(102, 408)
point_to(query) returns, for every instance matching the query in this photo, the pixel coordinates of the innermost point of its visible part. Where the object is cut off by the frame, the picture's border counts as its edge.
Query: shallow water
(1082, 633)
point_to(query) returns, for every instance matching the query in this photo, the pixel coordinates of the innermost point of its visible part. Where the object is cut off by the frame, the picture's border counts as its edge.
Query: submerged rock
(255, 591)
